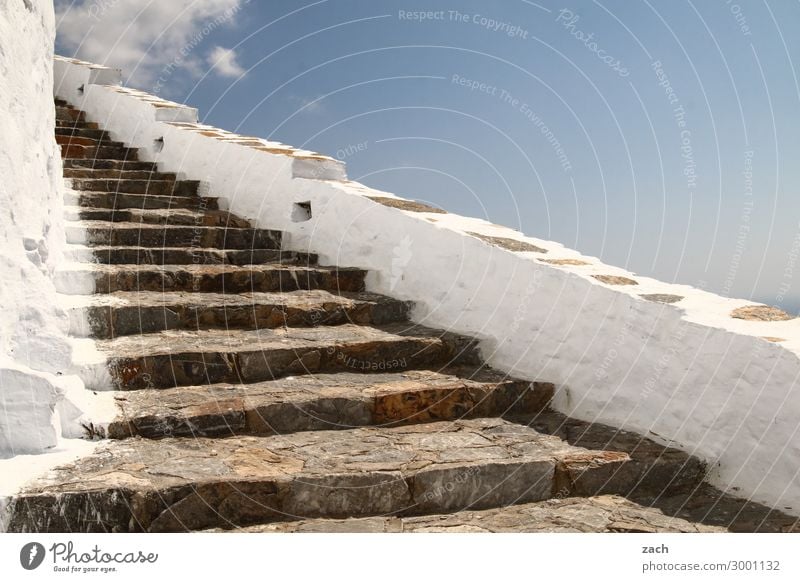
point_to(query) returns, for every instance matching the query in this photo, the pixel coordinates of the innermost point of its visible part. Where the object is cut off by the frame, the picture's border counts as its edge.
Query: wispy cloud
(308, 104)
(223, 62)
(142, 38)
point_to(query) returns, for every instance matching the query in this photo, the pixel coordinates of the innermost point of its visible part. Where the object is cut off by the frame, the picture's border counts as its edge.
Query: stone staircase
(258, 390)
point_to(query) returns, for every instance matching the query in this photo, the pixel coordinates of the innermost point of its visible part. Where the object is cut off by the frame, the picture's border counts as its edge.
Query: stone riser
(249, 364)
(212, 280)
(155, 186)
(117, 174)
(120, 165)
(122, 234)
(173, 217)
(184, 256)
(113, 321)
(99, 152)
(264, 410)
(123, 201)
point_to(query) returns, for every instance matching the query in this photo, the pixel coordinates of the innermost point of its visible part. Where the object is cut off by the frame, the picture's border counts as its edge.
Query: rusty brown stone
(408, 205)
(615, 280)
(565, 262)
(760, 313)
(509, 244)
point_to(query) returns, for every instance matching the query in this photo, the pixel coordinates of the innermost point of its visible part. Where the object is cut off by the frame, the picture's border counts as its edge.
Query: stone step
(598, 514)
(126, 313)
(76, 124)
(111, 174)
(69, 114)
(79, 140)
(129, 255)
(179, 484)
(60, 102)
(324, 402)
(96, 134)
(184, 358)
(100, 164)
(158, 187)
(100, 152)
(97, 232)
(169, 216)
(85, 279)
(125, 201)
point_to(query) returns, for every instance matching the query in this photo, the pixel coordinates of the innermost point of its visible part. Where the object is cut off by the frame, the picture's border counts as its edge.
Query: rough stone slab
(184, 358)
(325, 402)
(76, 131)
(130, 255)
(149, 186)
(655, 467)
(123, 201)
(197, 483)
(99, 152)
(110, 164)
(72, 139)
(117, 174)
(128, 313)
(601, 514)
(97, 278)
(96, 232)
(169, 216)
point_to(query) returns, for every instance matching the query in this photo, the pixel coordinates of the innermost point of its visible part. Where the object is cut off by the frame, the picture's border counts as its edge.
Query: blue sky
(658, 135)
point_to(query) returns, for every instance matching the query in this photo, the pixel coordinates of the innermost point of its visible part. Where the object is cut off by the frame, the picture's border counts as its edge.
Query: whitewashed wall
(686, 373)
(35, 356)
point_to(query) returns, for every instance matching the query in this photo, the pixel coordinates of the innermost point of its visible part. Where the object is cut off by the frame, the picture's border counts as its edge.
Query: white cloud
(223, 62)
(149, 39)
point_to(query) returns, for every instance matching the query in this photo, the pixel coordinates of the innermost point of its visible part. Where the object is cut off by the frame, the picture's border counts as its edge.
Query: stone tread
(88, 278)
(110, 164)
(325, 402)
(154, 185)
(127, 200)
(127, 313)
(599, 514)
(133, 255)
(179, 484)
(118, 174)
(172, 216)
(146, 234)
(182, 358)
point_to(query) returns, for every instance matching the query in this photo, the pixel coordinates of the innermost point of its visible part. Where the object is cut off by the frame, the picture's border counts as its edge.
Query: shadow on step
(665, 478)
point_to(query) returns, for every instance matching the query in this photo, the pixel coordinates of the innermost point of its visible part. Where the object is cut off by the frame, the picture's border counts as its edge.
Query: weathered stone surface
(111, 164)
(183, 358)
(601, 514)
(156, 235)
(509, 244)
(97, 134)
(150, 186)
(171, 216)
(760, 313)
(216, 278)
(101, 152)
(565, 262)
(125, 201)
(408, 205)
(133, 255)
(197, 483)
(661, 297)
(128, 313)
(325, 402)
(117, 174)
(615, 280)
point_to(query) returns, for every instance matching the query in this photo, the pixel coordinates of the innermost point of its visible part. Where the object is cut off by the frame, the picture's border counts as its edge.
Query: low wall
(675, 363)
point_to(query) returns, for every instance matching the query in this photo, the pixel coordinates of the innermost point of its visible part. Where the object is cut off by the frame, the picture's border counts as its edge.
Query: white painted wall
(687, 374)
(35, 355)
